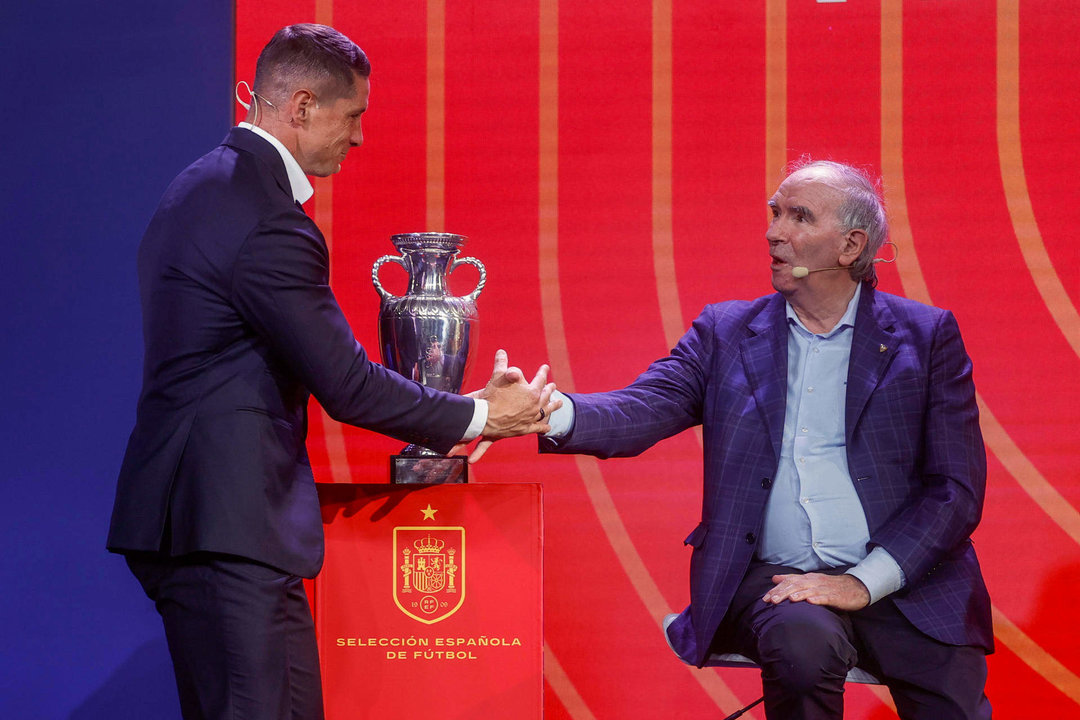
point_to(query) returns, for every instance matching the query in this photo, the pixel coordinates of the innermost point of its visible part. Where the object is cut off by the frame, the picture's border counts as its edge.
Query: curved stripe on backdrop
(915, 287)
(337, 458)
(564, 689)
(550, 297)
(1011, 159)
(554, 332)
(663, 241)
(436, 116)
(776, 93)
(1048, 105)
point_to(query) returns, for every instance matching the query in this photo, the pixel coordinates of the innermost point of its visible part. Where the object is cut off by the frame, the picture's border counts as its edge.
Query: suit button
(766, 483)
(751, 538)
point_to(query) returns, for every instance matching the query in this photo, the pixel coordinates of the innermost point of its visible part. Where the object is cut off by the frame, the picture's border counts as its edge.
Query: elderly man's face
(805, 230)
(332, 130)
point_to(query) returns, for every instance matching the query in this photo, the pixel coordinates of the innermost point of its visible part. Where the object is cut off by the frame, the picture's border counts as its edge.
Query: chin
(780, 280)
(785, 285)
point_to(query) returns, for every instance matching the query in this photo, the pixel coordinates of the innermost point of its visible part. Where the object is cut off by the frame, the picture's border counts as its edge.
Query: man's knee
(803, 657)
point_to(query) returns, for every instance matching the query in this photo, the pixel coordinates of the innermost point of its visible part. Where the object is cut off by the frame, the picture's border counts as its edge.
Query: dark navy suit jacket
(239, 325)
(914, 449)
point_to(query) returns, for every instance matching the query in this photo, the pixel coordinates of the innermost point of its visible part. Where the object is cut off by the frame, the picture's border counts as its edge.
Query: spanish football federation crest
(429, 578)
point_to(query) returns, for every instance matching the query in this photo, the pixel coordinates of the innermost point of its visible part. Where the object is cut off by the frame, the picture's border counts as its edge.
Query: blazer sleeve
(280, 285)
(946, 503)
(665, 399)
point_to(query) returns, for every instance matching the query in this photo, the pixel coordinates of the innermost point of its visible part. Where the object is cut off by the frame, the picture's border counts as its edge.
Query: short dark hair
(308, 54)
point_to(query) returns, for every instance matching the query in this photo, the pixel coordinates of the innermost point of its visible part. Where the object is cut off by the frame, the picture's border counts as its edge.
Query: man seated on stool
(844, 469)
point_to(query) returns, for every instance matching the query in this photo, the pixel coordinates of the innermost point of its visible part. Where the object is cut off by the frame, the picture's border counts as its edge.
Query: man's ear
(300, 105)
(854, 243)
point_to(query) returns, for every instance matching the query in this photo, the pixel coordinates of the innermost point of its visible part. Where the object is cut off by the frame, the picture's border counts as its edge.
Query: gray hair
(862, 209)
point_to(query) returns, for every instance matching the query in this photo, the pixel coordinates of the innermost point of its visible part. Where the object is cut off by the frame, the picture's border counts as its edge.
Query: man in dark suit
(844, 469)
(216, 508)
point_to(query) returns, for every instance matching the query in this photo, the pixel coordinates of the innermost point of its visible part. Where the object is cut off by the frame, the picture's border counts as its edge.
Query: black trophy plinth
(419, 466)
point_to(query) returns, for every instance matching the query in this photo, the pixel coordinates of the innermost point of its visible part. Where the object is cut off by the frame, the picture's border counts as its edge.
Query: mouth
(777, 263)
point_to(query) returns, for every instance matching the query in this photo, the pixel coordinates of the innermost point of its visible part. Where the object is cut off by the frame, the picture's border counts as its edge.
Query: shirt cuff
(879, 573)
(562, 419)
(479, 420)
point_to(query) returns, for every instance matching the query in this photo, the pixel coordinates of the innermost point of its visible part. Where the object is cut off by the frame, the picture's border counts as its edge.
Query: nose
(356, 138)
(773, 234)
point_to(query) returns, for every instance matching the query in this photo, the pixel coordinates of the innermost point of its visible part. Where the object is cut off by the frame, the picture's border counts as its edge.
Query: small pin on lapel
(882, 348)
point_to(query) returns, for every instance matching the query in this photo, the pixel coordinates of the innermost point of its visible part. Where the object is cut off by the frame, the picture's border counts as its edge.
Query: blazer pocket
(696, 538)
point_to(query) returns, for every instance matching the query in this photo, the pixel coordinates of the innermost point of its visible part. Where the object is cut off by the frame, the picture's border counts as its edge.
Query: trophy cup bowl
(426, 335)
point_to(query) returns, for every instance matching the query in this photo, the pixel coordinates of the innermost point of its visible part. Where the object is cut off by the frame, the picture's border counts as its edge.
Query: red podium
(429, 602)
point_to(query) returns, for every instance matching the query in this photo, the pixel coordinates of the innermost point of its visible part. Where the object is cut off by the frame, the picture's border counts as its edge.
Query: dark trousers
(806, 650)
(240, 634)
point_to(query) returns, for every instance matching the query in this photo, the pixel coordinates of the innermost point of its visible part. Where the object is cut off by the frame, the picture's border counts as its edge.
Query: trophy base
(438, 470)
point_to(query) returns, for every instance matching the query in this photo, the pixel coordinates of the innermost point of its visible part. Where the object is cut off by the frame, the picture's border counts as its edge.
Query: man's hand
(515, 407)
(843, 592)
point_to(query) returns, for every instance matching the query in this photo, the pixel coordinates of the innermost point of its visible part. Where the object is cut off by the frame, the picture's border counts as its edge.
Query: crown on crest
(429, 545)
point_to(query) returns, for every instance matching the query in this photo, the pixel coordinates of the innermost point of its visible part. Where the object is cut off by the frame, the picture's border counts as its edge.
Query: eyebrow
(800, 209)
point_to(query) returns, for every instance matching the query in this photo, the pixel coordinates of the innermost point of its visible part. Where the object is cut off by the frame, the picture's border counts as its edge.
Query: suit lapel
(873, 346)
(764, 357)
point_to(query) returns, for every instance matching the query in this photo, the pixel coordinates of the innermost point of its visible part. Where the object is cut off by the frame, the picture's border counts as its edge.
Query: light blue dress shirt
(813, 518)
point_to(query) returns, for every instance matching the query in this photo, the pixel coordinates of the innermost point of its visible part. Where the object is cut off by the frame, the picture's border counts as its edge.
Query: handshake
(515, 407)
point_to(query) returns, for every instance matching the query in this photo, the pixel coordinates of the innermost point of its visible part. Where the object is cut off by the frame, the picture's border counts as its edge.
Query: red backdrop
(610, 162)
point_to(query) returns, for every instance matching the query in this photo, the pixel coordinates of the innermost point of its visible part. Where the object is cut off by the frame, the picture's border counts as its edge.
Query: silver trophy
(426, 335)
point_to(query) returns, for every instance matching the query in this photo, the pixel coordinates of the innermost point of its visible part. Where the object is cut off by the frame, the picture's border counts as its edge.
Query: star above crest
(429, 512)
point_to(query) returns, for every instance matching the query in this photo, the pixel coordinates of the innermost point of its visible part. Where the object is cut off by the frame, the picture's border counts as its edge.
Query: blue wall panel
(106, 102)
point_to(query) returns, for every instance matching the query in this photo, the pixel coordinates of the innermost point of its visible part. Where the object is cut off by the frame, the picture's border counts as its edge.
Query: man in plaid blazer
(844, 469)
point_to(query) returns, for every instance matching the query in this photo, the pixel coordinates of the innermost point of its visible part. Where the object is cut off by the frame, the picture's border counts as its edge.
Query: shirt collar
(298, 182)
(848, 320)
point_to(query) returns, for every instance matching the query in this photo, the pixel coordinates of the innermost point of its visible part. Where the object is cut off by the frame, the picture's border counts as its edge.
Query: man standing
(216, 508)
(844, 469)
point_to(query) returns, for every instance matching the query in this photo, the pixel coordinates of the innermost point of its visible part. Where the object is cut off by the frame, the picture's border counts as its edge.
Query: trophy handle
(483, 274)
(375, 275)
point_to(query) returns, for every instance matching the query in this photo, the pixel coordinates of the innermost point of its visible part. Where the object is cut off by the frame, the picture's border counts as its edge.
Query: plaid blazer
(914, 449)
